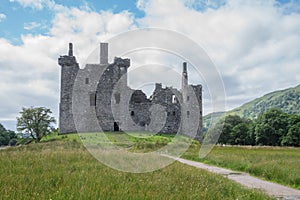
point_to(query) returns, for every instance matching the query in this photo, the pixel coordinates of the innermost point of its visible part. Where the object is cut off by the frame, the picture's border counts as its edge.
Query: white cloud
(2, 17)
(37, 4)
(32, 25)
(86, 28)
(254, 43)
(28, 76)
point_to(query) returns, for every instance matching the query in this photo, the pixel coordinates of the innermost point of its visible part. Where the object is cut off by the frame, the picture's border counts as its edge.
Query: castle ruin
(99, 96)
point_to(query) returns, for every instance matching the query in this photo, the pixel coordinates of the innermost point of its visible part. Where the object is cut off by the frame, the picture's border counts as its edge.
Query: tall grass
(65, 170)
(277, 164)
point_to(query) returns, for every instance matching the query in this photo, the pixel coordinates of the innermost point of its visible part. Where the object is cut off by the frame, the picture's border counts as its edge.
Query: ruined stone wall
(169, 99)
(139, 110)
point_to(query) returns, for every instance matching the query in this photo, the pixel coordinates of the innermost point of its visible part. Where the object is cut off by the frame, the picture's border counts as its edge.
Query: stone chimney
(103, 53)
(158, 86)
(184, 82)
(70, 49)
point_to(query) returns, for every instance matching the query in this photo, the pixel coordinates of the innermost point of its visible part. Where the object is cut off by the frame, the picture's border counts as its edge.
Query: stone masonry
(97, 98)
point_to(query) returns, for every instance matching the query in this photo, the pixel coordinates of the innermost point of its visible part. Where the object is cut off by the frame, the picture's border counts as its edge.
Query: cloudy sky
(254, 44)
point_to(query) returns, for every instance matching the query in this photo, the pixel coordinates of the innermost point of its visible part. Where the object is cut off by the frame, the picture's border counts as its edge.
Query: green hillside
(287, 100)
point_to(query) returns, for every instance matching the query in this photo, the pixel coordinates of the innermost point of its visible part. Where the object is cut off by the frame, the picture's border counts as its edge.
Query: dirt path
(273, 189)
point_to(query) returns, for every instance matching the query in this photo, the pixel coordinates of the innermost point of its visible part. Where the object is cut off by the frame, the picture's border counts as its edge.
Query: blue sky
(19, 16)
(253, 43)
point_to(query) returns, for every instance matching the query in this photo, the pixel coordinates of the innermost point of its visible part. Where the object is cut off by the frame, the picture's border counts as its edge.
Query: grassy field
(277, 164)
(63, 169)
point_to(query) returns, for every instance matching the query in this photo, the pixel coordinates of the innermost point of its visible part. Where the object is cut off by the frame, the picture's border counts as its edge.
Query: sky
(254, 44)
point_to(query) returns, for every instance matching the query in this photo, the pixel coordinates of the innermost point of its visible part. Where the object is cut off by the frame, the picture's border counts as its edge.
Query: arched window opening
(174, 100)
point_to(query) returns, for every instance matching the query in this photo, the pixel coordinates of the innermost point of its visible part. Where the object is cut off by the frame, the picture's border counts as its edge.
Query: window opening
(174, 100)
(93, 99)
(117, 98)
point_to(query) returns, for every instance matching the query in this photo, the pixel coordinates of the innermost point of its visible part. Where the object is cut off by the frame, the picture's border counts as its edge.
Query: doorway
(116, 126)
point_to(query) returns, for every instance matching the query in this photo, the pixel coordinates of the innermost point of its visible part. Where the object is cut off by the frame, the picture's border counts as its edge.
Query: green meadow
(60, 167)
(276, 164)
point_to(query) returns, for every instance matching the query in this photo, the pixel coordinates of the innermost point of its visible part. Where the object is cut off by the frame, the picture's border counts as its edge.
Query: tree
(235, 130)
(35, 122)
(2, 129)
(6, 136)
(13, 142)
(240, 133)
(271, 127)
(293, 136)
(231, 121)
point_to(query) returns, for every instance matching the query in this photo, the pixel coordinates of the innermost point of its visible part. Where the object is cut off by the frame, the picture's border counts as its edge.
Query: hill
(287, 100)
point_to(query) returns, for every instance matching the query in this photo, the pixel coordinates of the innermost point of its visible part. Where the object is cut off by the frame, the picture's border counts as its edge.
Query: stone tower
(191, 108)
(69, 70)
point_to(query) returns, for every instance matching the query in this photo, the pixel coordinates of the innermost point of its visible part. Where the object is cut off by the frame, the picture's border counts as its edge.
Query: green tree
(230, 133)
(251, 132)
(6, 136)
(271, 127)
(240, 133)
(2, 129)
(13, 142)
(293, 136)
(36, 122)
(294, 119)
(3, 140)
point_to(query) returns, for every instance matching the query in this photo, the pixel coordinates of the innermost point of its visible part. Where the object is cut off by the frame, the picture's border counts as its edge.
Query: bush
(13, 142)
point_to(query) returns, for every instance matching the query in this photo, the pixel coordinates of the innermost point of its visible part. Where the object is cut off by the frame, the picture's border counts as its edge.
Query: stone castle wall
(100, 100)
